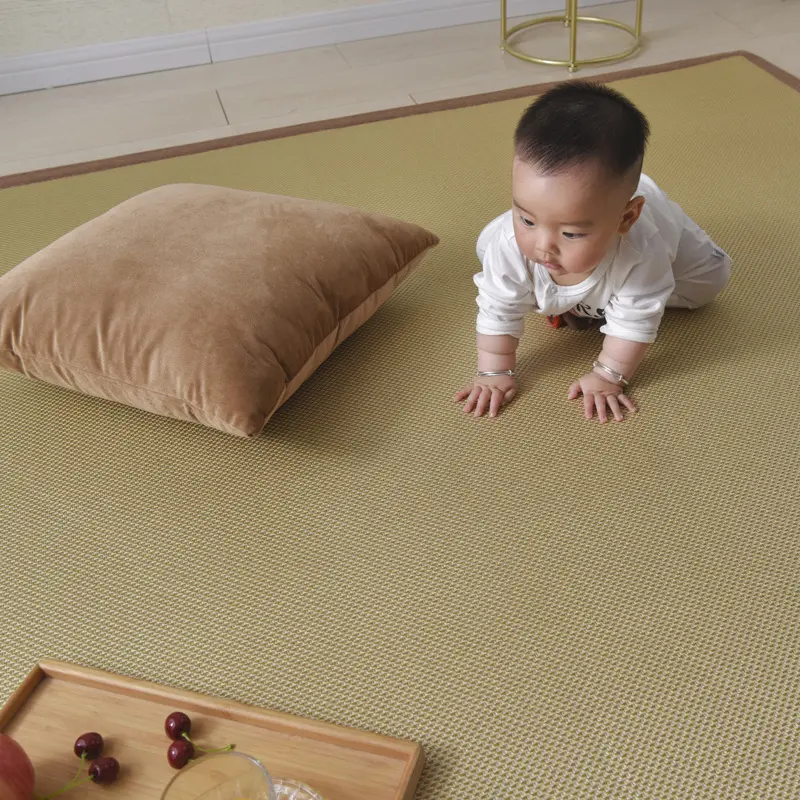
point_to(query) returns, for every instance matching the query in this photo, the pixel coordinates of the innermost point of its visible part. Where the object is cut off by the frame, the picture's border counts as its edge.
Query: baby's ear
(631, 213)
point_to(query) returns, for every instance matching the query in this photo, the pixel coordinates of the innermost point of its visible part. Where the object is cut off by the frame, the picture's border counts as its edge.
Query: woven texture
(565, 609)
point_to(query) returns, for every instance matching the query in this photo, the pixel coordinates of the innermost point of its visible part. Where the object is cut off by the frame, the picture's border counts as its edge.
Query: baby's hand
(488, 393)
(599, 393)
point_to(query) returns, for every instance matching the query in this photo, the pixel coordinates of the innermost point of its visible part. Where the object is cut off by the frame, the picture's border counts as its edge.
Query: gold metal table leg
(573, 34)
(571, 19)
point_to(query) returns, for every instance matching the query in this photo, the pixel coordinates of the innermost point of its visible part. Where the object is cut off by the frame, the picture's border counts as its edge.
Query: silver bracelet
(617, 376)
(511, 373)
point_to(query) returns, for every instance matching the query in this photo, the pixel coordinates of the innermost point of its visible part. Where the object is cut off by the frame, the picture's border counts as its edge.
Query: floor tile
(30, 164)
(764, 17)
(782, 49)
(329, 106)
(494, 83)
(257, 100)
(43, 131)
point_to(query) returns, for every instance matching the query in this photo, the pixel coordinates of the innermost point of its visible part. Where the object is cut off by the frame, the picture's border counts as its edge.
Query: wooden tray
(58, 702)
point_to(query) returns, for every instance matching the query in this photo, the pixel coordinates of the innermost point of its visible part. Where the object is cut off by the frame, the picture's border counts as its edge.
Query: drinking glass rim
(227, 754)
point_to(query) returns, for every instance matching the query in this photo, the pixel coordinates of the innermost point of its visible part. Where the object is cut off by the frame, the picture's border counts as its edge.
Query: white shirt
(630, 287)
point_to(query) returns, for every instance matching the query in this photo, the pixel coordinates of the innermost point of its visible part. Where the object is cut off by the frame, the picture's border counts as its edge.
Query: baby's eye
(569, 235)
(527, 222)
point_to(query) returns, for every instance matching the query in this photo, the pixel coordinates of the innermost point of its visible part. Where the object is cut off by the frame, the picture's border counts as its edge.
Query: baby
(589, 240)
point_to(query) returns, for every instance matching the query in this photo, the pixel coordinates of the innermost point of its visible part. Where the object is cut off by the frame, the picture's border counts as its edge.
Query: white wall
(37, 26)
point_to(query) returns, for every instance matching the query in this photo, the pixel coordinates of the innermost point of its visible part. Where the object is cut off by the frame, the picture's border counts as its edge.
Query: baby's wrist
(609, 373)
(499, 373)
(496, 362)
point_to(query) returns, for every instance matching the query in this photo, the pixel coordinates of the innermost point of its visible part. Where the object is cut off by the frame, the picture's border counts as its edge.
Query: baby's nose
(547, 254)
(547, 246)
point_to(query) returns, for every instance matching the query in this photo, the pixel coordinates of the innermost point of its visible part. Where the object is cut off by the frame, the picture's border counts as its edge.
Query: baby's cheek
(523, 239)
(525, 248)
(578, 258)
(591, 255)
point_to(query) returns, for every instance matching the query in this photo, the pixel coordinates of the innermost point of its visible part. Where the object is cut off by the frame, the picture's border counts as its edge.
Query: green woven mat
(560, 608)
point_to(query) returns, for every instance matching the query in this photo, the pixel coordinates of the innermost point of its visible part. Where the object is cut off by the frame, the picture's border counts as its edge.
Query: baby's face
(568, 221)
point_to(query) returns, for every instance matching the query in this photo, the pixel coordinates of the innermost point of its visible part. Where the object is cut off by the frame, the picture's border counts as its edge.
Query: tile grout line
(342, 56)
(716, 12)
(224, 112)
(208, 47)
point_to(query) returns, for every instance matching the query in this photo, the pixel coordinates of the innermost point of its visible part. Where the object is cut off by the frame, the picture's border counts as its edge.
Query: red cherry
(104, 770)
(179, 753)
(90, 746)
(177, 725)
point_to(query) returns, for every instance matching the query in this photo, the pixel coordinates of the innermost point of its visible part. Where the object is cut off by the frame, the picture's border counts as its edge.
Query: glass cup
(221, 776)
(292, 790)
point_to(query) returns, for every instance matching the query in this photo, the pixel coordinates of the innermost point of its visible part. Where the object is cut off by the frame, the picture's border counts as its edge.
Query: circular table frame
(570, 19)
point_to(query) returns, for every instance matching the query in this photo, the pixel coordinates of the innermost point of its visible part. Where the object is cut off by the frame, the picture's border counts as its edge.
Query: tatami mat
(558, 608)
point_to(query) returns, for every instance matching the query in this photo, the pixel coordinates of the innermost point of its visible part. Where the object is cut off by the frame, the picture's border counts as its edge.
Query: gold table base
(570, 19)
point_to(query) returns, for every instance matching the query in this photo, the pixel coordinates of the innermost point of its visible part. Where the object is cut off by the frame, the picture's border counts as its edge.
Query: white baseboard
(171, 51)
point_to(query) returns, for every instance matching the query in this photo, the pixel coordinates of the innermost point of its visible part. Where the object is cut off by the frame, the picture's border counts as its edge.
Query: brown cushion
(202, 303)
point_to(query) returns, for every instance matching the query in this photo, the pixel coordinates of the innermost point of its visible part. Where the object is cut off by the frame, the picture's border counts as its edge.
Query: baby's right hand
(487, 394)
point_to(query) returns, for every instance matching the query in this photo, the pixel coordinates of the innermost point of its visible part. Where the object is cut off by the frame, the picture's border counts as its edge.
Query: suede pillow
(202, 303)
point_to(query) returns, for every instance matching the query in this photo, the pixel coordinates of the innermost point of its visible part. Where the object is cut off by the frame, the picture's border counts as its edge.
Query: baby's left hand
(600, 394)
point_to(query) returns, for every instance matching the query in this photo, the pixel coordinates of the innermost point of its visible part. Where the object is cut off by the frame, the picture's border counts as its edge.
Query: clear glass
(292, 790)
(221, 776)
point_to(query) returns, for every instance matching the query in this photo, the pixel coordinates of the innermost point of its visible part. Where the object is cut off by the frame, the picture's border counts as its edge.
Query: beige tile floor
(108, 118)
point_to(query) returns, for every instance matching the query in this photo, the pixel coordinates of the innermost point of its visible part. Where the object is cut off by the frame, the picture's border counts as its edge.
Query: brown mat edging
(68, 170)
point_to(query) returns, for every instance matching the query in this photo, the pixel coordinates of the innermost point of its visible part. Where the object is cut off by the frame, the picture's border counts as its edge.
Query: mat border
(86, 167)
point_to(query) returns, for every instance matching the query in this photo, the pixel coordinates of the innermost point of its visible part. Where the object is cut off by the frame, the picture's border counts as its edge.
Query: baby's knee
(702, 289)
(722, 275)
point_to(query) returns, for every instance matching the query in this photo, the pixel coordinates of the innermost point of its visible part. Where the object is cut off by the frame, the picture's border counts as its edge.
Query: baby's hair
(579, 122)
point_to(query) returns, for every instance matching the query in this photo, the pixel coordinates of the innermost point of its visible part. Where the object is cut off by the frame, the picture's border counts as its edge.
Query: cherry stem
(80, 769)
(203, 750)
(73, 784)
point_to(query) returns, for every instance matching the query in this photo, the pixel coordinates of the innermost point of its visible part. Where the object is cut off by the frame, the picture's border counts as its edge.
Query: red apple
(16, 771)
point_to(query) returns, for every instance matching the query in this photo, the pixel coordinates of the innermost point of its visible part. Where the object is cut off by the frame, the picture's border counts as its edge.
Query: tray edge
(377, 744)
(20, 695)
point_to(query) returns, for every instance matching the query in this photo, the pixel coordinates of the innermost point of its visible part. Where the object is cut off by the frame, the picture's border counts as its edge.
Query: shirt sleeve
(505, 288)
(637, 303)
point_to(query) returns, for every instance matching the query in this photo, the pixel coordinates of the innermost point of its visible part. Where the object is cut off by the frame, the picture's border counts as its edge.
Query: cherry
(177, 724)
(180, 752)
(104, 770)
(90, 746)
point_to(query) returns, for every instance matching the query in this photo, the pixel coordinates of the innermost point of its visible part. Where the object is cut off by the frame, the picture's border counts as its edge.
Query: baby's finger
(588, 405)
(574, 391)
(483, 401)
(613, 404)
(627, 402)
(509, 396)
(495, 402)
(600, 402)
(469, 406)
(463, 394)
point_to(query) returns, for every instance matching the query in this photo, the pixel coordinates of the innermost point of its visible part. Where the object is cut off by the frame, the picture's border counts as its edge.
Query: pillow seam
(27, 354)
